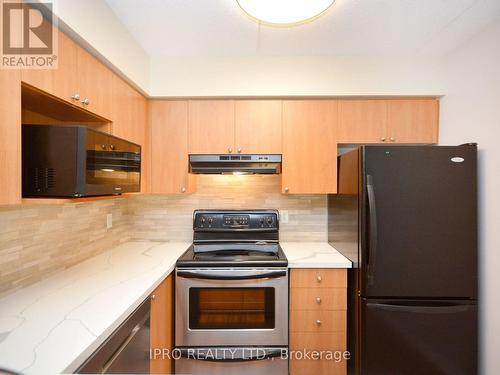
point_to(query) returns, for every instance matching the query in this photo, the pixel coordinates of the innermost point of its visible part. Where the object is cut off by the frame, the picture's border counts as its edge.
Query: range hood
(235, 164)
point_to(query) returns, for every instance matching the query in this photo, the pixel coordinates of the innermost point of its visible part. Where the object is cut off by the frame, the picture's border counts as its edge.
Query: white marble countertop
(52, 326)
(313, 255)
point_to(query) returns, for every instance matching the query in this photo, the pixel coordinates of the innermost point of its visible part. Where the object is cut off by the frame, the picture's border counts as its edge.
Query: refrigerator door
(408, 337)
(418, 222)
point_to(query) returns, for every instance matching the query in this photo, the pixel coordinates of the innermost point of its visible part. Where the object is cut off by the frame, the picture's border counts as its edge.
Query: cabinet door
(413, 120)
(211, 126)
(362, 121)
(162, 326)
(10, 136)
(169, 129)
(95, 83)
(309, 146)
(258, 126)
(61, 82)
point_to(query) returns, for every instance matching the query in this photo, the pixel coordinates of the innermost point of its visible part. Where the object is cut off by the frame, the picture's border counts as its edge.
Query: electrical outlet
(109, 221)
(284, 216)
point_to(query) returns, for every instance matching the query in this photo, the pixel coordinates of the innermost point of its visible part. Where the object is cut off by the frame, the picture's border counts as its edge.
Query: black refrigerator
(406, 216)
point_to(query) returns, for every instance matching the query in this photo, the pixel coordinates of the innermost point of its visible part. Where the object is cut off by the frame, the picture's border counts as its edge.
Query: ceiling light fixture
(284, 13)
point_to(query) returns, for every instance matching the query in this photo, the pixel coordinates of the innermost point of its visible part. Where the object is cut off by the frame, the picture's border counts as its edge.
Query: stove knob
(202, 220)
(269, 220)
(210, 220)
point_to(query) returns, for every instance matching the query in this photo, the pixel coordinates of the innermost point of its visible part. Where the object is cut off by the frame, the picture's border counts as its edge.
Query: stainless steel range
(232, 295)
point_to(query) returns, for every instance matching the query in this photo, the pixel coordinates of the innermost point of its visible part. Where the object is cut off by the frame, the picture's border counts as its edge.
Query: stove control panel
(235, 220)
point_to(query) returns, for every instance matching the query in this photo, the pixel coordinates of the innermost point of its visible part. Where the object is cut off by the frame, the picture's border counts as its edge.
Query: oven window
(231, 308)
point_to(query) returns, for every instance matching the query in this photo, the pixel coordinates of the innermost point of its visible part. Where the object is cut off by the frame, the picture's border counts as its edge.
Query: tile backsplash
(169, 217)
(38, 240)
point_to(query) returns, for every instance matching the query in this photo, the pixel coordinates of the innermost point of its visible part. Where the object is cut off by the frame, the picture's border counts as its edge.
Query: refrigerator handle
(372, 241)
(423, 308)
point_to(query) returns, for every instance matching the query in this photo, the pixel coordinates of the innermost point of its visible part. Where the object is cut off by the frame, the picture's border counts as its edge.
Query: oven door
(231, 307)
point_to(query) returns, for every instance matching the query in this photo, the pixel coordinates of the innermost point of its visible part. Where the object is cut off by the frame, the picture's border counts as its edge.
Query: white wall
(470, 112)
(95, 23)
(297, 75)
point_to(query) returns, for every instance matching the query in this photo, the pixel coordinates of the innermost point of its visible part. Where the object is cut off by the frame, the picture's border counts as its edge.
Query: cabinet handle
(319, 279)
(318, 322)
(153, 297)
(183, 190)
(392, 139)
(286, 189)
(229, 150)
(86, 101)
(382, 139)
(103, 147)
(239, 150)
(318, 300)
(75, 97)
(112, 147)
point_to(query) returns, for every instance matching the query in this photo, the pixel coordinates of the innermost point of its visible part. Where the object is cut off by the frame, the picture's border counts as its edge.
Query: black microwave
(75, 161)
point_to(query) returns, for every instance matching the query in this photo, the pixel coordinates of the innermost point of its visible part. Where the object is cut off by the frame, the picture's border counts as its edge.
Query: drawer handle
(318, 323)
(319, 279)
(318, 300)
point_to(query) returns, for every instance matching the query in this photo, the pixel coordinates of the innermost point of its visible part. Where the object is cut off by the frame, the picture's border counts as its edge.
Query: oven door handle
(200, 354)
(218, 276)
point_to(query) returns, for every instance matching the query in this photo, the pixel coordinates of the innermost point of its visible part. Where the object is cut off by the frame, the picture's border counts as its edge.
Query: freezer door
(419, 222)
(418, 337)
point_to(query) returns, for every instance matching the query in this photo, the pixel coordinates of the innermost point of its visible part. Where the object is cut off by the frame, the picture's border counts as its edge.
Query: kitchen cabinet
(210, 126)
(169, 137)
(388, 121)
(130, 121)
(95, 84)
(362, 121)
(309, 146)
(318, 318)
(162, 326)
(413, 120)
(61, 82)
(10, 136)
(258, 126)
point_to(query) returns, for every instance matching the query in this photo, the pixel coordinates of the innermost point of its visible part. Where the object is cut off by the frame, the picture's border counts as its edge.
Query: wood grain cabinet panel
(319, 278)
(95, 83)
(318, 367)
(309, 146)
(162, 326)
(10, 136)
(362, 121)
(63, 81)
(413, 120)
(169, 129)
(258, 126)
(211, 126)
(318, 299)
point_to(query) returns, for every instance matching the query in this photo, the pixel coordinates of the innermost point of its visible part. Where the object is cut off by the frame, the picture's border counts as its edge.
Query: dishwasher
(126, 351)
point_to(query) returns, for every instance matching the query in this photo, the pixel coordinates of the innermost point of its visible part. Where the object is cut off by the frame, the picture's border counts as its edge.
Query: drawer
(318, 341)
(318, 367)
(318, 321)
(318, 299)
(318, 278)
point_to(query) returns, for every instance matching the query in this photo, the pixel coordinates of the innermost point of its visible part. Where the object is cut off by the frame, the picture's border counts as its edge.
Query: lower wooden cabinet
(162, 326)
(318, 321)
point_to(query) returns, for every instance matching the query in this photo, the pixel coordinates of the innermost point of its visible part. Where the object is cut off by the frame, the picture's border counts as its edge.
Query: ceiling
(215, 28)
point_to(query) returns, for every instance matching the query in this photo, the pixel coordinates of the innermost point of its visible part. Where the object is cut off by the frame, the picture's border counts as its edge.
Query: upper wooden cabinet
(362, 121)
(388, 121)
(10, 136)
(309, 146)
(130, 121)
(413, 120)
(61, 82)
(211, 126)
(79, 79)
(95, 84)
(258, 126)
(169, 138)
